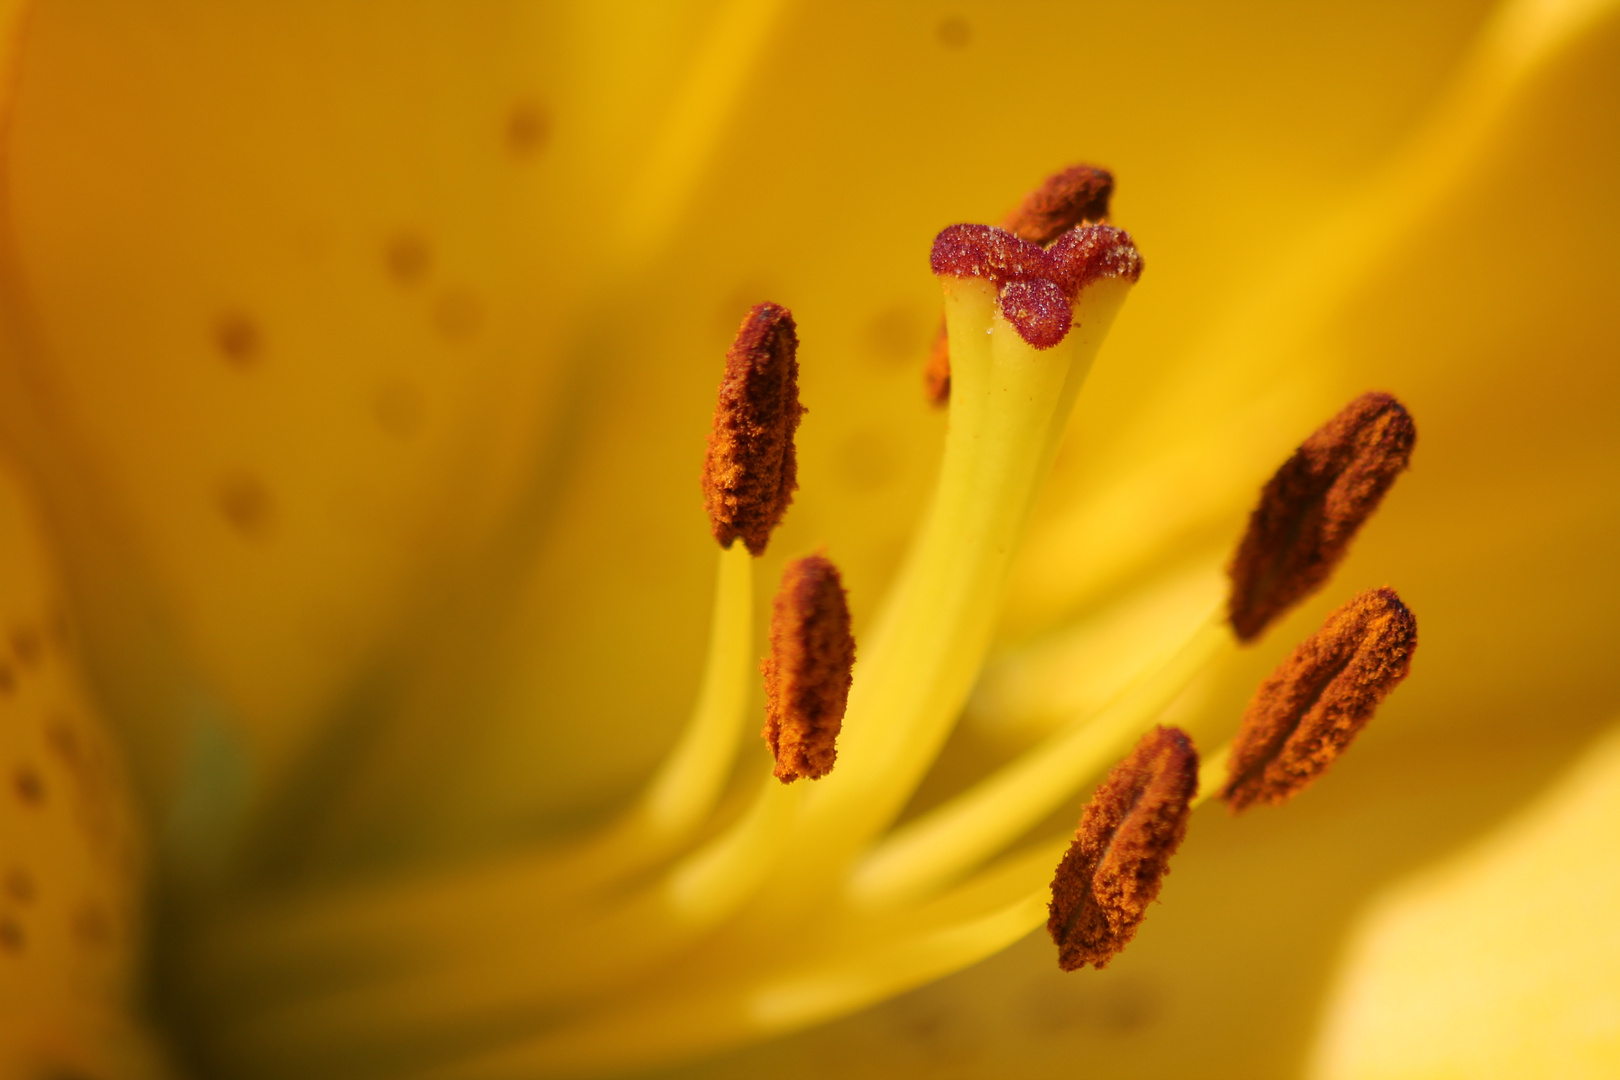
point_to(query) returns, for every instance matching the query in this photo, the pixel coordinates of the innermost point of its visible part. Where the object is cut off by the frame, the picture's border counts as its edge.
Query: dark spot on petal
(19, 885)
(527, 129)
(238, 339)
(954, 32)
(29, 787)
(457, 315)
(11, 935)
(62, 739)
(1128, 1006)
(407, 257)
(8, 679)
(896, 335)
(398, 409)
(91, 925)
(245, 503)
(28, 646)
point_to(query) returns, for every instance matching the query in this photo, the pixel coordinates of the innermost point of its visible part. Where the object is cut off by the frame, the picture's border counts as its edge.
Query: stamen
(807, 674)
(1307, 712)
(1130, 828)
(1076, 196)
(751, 471)
(1310, 509)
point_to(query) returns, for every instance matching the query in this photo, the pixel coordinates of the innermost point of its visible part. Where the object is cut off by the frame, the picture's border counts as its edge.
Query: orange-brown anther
(1307, 712)
(807, 673)
(751, 471)
(1310, 509)
(1121, 852)
(1078, 195)
(937, 371)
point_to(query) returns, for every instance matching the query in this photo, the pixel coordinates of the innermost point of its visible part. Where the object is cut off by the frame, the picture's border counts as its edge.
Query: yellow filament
(715, 880)
(875, 975)
(943, 844)
(690, 780)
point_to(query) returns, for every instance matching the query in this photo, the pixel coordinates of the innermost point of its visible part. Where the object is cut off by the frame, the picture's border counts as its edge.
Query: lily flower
(374, 694)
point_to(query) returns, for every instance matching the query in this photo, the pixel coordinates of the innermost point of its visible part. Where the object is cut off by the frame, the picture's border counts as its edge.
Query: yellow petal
(72, 869)
(1502, 962)
(341, 262)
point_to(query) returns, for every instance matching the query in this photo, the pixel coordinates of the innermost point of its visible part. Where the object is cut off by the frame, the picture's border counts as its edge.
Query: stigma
(1078, 195)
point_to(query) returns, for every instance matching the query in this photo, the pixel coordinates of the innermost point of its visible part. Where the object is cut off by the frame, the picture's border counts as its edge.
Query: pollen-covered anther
(1133, 824)
(1078, 195)
(1307, 712)
(807, 673)
(751, 470)
(1311, 508)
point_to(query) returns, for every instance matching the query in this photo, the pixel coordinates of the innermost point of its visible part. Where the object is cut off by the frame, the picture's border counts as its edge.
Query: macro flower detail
(807, 673)
(751, 470)
(1313, 506)
(1301, 717)
(1309, 710)
(356, 370)
(1037, 286)
(1077, 195)
(1131, 826)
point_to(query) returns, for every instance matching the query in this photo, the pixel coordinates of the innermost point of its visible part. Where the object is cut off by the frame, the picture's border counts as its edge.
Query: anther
(1078, 195)
(1307, 712)
(751, 471)
(807, 674)
(1310, 509)
(1133, 824)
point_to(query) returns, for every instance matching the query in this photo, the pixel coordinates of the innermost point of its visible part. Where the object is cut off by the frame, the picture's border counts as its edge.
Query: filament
(689, 782)
(952, 839)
